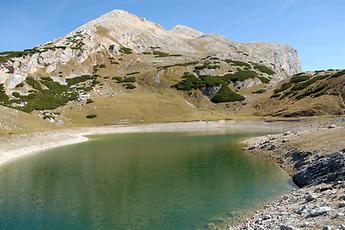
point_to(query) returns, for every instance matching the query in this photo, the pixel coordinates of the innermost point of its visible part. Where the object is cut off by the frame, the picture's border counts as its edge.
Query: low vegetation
(125, 50)
(227, 95)
(264, 69)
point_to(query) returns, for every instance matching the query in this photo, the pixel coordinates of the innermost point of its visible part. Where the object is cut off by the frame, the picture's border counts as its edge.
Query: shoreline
(314, 157)
(13, 147)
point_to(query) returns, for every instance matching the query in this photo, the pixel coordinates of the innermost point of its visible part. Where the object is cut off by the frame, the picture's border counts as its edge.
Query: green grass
(227, 95)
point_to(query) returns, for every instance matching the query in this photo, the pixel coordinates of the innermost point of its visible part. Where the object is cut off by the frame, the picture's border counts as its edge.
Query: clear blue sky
(316, 28)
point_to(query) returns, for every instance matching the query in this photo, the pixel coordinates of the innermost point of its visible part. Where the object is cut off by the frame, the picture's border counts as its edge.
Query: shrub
(76, 80)
(89, 101)
(241, 76)
(264, 69)
(125, 50)
(212, 81)
(117, 79)
(227, 95)
(33, 83)
(129, 80)
(264, 80)
(129, 86)
(284, 87)
(189, 82)
(132, 73)
(339, 73)
(16, 94)
(299, 78)
(91, 116)
(160, 54)
(4, 99)
(239, 63)
(259, 91)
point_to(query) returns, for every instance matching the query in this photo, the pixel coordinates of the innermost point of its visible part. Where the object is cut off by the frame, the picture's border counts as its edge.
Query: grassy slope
(16, 122)
(138, 107)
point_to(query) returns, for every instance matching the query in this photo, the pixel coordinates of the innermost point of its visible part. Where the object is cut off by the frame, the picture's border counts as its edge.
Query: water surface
(156, 181)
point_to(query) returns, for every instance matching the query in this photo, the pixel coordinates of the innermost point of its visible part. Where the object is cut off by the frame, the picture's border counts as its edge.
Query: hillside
(121, 68)
(306, 94)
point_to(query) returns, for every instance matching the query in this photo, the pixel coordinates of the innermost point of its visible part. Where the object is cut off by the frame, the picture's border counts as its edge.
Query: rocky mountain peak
(186, 31)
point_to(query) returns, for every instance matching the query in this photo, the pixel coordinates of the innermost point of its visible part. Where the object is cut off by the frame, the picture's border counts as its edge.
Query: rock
(331, 126)
(305, 224)
(310, 197)
(326, 227)
(286, 227)
(339, 215)
(266, 217)
(302, 210)
(341, 204)
(320, 211)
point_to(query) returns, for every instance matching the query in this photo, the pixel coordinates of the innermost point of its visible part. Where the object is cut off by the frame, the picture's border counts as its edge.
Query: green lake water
(155, 181)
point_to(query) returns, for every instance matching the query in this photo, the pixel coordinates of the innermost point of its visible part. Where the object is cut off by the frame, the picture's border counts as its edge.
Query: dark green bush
(227, 95)
(160, 54)
(16, 94)
(239, 63)
(260, 91)
(189, 82)
(241, 76)
(339, 73)
(4, 99)
(264, 80)
(133, 73)
(125, 50)
(264, 69)
(299, 78)
(129, 86)
(129, 80)
(91, 116)
(76, 80)
(284, 87)
(212, 81)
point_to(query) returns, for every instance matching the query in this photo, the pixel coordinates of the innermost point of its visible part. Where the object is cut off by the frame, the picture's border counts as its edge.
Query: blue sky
(316, 28)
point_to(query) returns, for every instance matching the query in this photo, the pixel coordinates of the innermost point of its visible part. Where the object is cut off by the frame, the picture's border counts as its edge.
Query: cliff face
(119, 29)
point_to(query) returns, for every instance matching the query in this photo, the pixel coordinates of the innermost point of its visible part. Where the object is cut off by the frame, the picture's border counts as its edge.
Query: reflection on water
(136, 181)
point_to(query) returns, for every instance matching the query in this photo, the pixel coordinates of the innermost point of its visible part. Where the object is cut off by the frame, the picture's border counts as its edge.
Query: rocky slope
(119, 55)
(315, 158)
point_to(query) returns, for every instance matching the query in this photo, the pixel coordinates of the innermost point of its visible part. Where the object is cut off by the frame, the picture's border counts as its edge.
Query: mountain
(123, 68)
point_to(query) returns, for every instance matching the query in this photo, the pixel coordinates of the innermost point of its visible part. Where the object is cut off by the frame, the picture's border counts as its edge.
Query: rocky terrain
(315, 158)
(121, 68)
